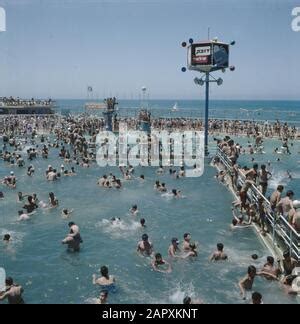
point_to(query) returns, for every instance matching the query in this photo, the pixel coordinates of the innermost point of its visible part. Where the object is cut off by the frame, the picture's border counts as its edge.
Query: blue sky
(56, 48)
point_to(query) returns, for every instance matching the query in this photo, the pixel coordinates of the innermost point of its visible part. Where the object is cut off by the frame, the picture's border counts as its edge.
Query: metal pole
(206, 112)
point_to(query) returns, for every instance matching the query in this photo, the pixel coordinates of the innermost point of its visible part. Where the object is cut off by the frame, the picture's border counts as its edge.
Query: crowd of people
(73, 139)
(252, 206)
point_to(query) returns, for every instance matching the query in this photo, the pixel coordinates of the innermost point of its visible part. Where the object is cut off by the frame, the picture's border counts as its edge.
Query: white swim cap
(296, 204)
(12, 172)
(62, 166)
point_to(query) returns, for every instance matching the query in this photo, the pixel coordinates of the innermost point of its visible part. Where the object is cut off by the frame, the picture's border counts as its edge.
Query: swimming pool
(37, 260)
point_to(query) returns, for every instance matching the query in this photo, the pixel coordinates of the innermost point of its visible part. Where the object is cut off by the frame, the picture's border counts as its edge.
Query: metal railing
(283, 234)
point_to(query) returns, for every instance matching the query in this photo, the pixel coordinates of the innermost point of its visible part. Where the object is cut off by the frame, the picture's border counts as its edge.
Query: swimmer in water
(257, 298)
(176, 193)
(105, 280)
(188, 301)
(145, 247)
(189, 248)
(158, 262)
(66, 213)
(102, 300)
(6, 238)
(21, 196)
(23, 216)
(134, 210)
(13, 293)
(174, 249)
(143, 223)
(290, 285)
(219, 255)
(1, 195)
(246, 283)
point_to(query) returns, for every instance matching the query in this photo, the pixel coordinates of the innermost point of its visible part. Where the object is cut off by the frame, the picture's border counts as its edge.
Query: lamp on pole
(206, 57)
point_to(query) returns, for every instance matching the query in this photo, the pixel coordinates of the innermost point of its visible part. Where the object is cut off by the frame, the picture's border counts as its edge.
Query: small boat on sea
(175, 107)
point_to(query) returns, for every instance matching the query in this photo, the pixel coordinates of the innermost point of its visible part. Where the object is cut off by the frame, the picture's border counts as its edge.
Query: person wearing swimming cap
(174, 249)
(145, 247)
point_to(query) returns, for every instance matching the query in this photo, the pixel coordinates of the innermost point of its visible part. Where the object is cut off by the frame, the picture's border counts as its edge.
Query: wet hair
(145, 237)
(6, 237)
(270, 259)
(142, 176)
(255, 166)
(158, 256)
(71, 224)
(256, 298)
(187, 300)
(134, 207)
(254, 256)
(263, 167)
(143, 221)
(286, 254)
(1, 194)
(174, 191)
(280, 188)
(9, 281)
(65, 211)
(104, 292)
(251, 269)
(20, 212)
(220, 247)
(234, 222)
(186, 235)
(104, 272)
(290, 193)
(289, 279)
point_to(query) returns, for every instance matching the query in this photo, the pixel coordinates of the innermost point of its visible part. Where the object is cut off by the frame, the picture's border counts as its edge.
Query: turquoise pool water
(49, 274)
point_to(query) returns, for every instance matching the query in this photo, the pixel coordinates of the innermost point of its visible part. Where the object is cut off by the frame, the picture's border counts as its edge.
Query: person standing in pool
(219, 255)
(74, 238)
(174, 249)
(145, 247)
(30, 206)
(105, 281)
(13, 293)
(246, 283)
(53, 200)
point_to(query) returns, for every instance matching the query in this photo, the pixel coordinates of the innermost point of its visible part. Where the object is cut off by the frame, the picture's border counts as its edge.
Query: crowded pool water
(38, 261)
